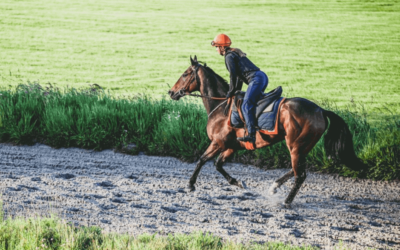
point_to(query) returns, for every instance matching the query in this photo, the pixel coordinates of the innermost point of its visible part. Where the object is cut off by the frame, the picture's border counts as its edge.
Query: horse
(301, 123)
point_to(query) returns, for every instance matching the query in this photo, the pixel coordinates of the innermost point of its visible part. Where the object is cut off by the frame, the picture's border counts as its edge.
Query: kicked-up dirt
(137, 194)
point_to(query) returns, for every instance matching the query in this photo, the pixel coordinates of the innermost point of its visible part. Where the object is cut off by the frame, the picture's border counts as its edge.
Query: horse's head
(188, 82)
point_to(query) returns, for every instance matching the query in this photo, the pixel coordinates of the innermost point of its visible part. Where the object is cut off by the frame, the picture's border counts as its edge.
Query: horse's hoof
(272, 189)
(286, 205)
(191, 188)
(242, 184)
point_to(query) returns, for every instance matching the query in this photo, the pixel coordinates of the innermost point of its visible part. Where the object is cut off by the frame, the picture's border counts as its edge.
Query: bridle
(184, 91)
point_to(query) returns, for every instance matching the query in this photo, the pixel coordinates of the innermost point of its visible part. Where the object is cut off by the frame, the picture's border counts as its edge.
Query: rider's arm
(233, 70)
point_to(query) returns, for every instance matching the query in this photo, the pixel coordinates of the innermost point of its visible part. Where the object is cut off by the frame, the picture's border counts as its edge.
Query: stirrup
(247, 138)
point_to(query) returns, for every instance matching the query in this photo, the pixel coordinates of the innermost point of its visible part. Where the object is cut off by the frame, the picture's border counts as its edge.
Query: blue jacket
(240, 69)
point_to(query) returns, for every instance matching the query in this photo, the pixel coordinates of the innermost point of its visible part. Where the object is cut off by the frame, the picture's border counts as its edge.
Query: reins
(209, 97)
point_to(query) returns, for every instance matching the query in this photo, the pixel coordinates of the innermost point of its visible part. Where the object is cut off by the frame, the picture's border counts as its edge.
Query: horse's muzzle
(176, 95)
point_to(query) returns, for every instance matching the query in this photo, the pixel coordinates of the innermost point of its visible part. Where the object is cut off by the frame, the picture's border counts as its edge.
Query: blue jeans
(257, 86)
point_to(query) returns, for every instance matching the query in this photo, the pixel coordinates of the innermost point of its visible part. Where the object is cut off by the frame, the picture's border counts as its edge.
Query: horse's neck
(210, 104)
(211, 91)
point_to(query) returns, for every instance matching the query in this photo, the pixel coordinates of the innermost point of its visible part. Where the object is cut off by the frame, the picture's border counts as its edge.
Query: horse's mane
(217, 83)
(220, 81)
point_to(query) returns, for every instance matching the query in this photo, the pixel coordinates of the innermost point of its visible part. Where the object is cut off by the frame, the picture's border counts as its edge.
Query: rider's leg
(256, 87)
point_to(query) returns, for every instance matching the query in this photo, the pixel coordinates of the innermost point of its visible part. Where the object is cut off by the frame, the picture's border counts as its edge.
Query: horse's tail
(339, 142)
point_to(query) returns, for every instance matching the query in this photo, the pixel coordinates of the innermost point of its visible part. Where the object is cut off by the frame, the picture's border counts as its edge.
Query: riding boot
(248, 138)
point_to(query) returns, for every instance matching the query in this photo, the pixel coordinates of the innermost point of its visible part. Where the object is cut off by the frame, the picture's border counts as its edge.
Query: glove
(229, 95)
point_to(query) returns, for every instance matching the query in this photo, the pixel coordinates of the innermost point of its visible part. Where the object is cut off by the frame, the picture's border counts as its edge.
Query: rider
(241, 70)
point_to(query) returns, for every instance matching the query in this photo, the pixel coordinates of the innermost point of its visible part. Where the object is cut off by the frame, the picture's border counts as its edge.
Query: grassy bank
(53, 233)
(91, 118)
(338, 50)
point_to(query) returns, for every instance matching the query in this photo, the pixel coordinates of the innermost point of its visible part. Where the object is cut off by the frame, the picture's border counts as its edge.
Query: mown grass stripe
(339, 50)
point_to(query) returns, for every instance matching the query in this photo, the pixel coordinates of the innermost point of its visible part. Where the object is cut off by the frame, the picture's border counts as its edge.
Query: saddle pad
(264, 103)
(266, 122)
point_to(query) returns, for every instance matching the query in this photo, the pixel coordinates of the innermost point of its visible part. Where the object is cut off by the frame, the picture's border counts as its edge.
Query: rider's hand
(229, 95)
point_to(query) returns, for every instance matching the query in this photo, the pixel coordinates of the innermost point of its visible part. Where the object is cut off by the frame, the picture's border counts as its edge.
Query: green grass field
(344, 51)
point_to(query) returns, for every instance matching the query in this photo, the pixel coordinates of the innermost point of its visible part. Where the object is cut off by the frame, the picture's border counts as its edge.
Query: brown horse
(300, 122)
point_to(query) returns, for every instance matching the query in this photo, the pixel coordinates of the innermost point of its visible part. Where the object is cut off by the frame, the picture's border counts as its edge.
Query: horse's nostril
(170, 93)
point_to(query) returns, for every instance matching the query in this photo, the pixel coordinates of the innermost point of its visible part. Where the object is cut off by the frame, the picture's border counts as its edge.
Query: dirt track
(137, 194)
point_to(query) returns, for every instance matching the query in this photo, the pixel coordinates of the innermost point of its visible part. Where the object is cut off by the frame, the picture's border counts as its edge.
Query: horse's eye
(184, 74)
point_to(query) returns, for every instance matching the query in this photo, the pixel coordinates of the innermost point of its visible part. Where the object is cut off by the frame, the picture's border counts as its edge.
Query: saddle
(266, 113)
(264, 105)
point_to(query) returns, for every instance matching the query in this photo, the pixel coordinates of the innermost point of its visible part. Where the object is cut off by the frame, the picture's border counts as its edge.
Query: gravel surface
(137, 194)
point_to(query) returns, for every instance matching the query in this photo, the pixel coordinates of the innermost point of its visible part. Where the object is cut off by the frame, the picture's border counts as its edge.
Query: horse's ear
(193, 62)
(195, 58)
(205, 64)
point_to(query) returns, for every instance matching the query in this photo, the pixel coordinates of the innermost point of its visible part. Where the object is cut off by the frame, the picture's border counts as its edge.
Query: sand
(137, 194)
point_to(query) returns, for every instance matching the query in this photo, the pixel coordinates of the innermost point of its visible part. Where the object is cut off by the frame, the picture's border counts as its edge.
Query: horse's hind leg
(299, 171)
(280, 181)
(300, 139)
(299, 148)
(224, 156)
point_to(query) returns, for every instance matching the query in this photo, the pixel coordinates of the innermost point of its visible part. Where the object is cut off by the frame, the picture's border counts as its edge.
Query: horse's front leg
(224, 156)
(211, 151)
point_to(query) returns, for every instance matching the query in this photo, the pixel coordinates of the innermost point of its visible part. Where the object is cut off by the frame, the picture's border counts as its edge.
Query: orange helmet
(221, 40)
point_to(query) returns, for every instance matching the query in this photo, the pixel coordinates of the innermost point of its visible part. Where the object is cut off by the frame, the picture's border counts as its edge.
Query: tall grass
(54, 233)
(92, 118)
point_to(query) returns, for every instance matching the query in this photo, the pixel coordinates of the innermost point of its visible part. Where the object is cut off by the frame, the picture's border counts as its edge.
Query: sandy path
(137, 194)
